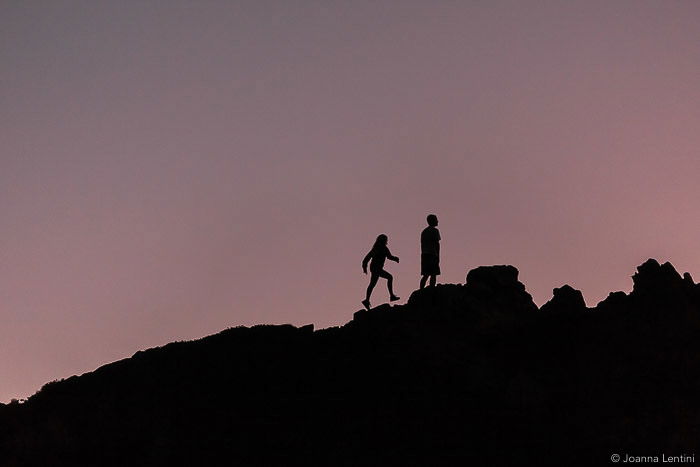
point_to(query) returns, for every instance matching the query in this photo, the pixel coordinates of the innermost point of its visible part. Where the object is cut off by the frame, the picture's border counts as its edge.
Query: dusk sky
(169, 168)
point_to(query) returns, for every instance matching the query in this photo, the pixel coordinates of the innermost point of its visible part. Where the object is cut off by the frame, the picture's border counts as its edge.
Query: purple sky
(172, 168)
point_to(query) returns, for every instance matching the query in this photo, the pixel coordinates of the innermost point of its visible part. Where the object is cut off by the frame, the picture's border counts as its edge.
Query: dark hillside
(467, 374)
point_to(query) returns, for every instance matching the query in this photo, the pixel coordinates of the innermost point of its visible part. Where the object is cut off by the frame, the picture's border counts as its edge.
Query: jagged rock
(688, 278)
(565, 299)
(614, 300)
(651, 278)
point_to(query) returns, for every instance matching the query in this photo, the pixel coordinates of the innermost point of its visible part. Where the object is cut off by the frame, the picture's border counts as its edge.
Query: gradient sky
(169, 168)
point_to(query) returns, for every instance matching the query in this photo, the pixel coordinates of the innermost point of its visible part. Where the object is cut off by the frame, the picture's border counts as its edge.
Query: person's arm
(389, 256)
(365, 261)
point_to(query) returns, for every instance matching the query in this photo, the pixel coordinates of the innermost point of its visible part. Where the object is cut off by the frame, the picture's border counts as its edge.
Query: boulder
(652, 278)
(565, 299)
(500, 286)
(495, 277)
(372, 313)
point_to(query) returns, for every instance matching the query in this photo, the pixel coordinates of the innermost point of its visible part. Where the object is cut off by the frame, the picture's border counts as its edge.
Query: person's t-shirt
(430, 241)
(379, 255)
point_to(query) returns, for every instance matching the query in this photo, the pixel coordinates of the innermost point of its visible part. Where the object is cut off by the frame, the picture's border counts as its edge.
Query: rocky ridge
(460, 374)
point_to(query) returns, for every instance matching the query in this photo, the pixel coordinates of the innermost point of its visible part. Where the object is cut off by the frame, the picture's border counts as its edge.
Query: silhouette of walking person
(378, 254)
(430, 252)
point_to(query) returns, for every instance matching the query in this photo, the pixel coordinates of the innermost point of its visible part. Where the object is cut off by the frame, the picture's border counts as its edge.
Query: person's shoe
(393, 298)
(365, 302)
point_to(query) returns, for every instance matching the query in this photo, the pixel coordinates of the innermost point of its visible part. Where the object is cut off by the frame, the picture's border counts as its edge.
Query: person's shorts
(429, 265)
(377, 270)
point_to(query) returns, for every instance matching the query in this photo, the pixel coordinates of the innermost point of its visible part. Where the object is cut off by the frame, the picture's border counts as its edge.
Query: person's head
(432, 220)
(382, 240)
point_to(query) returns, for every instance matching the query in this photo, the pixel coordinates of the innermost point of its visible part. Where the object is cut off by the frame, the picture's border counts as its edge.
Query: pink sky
(170, 169)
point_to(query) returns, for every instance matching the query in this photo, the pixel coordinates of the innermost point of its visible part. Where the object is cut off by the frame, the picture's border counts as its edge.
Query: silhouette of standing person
(430, 252)
(378, 254)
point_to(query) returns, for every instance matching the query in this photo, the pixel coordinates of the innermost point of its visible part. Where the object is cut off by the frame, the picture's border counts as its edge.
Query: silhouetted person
(378, 254)
(430, 252)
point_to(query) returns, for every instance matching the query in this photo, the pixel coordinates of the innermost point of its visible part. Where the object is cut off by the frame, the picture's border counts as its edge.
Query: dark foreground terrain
(469, 374)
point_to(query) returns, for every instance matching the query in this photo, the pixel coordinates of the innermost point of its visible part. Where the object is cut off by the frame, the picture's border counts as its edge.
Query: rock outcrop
(565, 299)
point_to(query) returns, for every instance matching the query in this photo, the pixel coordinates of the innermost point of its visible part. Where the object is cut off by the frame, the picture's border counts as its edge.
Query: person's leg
(372, 282)
(433, 280)
(423, 280)
(389, 284)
